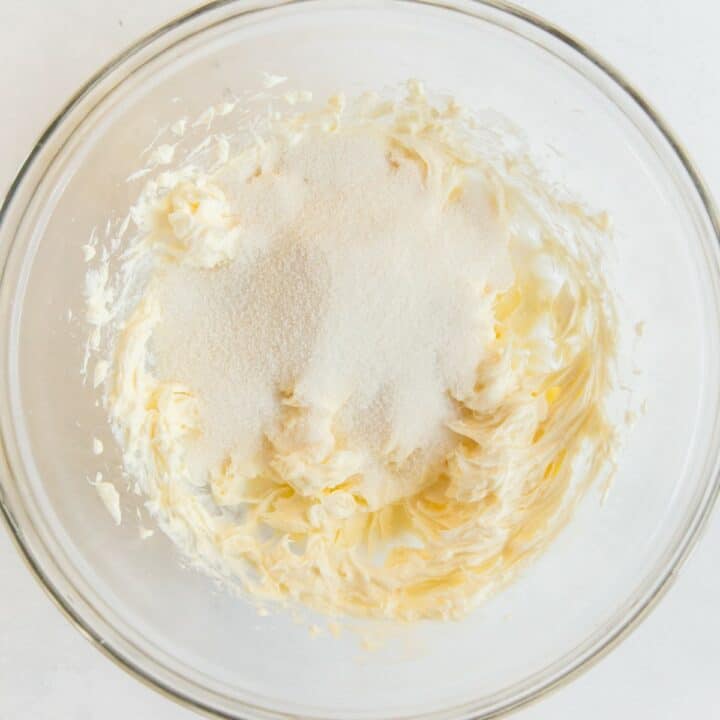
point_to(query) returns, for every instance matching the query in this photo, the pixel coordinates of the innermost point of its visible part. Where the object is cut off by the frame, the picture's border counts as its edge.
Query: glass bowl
(169, 625)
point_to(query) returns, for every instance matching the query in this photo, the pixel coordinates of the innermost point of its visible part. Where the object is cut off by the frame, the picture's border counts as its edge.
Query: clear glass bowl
(168, 625)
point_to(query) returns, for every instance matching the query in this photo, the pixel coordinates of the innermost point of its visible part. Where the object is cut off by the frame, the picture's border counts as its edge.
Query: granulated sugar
(363, 295)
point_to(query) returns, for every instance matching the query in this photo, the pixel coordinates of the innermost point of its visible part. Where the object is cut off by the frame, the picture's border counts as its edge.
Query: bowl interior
(170, 621)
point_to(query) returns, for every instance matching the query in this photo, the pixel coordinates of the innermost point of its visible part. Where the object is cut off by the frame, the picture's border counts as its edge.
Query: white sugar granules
(362, 292)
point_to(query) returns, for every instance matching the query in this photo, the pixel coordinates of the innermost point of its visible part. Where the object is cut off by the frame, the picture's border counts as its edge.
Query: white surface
(668, 667)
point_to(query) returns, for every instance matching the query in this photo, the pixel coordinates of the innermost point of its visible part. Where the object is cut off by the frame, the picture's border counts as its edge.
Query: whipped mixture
(361, 362)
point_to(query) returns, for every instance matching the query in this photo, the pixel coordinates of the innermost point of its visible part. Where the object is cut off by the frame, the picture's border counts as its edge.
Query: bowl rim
(702, 513)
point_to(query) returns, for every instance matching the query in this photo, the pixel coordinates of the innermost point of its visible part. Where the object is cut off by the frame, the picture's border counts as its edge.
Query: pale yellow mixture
(364, 361)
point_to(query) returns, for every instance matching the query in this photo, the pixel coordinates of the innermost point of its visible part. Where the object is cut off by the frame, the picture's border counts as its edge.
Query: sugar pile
(361, 292)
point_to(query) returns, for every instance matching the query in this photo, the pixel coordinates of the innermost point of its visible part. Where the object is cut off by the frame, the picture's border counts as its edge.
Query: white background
(668, 668)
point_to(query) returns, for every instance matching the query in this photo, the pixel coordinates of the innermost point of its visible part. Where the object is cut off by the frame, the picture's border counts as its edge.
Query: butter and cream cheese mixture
(362, 359)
